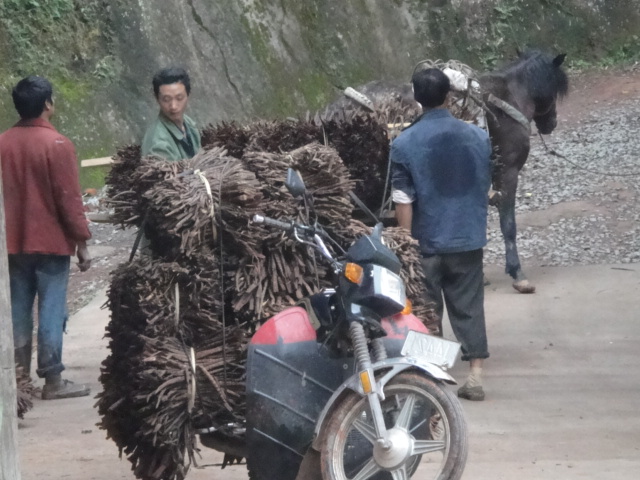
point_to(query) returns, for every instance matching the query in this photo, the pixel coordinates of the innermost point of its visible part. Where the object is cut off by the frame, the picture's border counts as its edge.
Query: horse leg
(507, 211)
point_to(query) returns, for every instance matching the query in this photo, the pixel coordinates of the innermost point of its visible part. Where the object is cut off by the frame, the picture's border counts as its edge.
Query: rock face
(266, 58)
(258, 57)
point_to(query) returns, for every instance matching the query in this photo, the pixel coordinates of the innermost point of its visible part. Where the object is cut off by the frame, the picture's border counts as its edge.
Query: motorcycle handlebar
(273, 222)
(306, 231)
(286, 226)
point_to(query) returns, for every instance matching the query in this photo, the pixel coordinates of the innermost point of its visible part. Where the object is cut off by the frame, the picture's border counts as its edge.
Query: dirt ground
(590, 89)
(562, 388)
(109, 247)
(548, 388)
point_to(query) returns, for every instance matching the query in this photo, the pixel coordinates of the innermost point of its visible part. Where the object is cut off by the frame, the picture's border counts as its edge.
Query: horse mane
(537, 72)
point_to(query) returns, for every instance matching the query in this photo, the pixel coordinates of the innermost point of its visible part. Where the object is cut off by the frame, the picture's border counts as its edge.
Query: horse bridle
(506, 107)
(510, 110)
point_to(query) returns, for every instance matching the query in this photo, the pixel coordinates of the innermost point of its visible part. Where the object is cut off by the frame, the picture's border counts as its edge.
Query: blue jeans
(47, 276)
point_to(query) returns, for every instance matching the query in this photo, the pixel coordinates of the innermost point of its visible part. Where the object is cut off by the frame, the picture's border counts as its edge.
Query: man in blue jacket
(441, 176)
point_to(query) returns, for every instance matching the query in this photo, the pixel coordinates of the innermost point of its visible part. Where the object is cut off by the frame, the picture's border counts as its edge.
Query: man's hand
(84, 258)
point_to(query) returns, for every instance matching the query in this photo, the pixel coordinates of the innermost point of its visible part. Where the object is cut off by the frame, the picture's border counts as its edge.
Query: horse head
(545, 117)
(545, 82)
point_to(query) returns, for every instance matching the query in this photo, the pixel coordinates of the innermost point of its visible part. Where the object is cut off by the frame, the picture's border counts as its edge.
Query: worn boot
(475, 394)
(472, 389)
(22, 357)
(55, 387)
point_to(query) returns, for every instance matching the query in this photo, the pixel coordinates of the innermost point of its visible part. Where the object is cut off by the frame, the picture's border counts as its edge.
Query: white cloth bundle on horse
(465, 97)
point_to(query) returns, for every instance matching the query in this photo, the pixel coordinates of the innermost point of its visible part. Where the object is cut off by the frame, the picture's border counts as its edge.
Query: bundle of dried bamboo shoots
(26, 390)
(183, 312)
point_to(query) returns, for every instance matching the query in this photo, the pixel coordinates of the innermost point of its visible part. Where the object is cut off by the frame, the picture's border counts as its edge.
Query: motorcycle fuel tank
(290, 377)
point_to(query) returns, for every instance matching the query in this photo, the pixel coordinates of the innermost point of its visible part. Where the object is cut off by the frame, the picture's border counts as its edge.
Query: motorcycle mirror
(294, 183)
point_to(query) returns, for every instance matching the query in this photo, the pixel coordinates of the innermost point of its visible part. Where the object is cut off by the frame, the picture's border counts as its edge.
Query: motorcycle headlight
(389, 286)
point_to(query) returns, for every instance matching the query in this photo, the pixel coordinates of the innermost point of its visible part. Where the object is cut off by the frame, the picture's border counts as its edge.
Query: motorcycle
(348, 386)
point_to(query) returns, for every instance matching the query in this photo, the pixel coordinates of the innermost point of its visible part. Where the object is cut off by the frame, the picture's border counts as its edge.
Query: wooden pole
(9, 465)
(96, 162)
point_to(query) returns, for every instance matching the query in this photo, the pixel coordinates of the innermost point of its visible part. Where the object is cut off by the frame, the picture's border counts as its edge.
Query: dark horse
(524, 90)
(530, 87)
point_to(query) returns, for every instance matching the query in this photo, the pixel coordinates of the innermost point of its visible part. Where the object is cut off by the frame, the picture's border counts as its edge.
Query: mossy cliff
(265, 58)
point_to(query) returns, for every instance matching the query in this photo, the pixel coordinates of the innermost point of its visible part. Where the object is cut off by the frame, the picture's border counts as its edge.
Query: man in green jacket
(173, 135)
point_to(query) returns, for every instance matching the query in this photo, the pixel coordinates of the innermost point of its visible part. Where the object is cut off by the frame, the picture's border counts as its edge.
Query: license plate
(431, 349)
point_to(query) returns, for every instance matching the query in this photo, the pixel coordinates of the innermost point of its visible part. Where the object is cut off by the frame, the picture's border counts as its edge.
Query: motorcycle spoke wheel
(427, 430)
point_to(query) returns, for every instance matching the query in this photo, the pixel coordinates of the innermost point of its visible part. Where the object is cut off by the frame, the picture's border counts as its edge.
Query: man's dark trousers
(458, 277)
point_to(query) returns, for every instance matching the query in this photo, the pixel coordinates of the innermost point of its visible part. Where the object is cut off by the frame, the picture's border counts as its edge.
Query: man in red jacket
(46, 225)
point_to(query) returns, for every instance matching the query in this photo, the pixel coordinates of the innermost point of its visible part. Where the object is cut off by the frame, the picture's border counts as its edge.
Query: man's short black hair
(170, 75)
(430, 87)
(30, 95)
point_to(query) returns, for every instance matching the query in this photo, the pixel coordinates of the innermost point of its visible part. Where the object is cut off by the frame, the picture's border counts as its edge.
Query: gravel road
(582, 209)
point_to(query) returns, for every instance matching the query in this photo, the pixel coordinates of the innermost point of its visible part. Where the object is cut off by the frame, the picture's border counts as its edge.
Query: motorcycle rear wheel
(424, 416)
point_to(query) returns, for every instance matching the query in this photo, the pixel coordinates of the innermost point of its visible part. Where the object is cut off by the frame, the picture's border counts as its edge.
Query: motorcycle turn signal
(354, 273)
(408, 308)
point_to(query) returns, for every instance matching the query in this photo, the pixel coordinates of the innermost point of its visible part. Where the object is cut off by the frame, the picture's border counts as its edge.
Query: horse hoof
(524, 286)
(494, 197)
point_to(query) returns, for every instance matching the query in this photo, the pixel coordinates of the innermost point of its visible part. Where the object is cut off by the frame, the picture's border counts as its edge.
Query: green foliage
(53, 36)
(501, 32)
(69, 42)
(548, 24)
(579, 64)
(68, 92)
(107, 68)
(617, 53)
(93, 177)
(569, 27)
(626, 52)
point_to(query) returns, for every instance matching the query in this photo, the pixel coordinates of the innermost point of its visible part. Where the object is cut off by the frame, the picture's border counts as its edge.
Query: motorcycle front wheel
(427, 430)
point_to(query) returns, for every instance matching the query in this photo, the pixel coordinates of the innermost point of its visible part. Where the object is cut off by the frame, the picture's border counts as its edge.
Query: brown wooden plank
(99, 217)
(96, 162)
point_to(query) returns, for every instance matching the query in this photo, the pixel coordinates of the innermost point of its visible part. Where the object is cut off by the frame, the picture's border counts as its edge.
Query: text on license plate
(432, 349)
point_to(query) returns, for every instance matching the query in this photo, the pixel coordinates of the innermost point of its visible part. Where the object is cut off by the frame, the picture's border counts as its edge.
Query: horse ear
(518, 52)
(559, 59)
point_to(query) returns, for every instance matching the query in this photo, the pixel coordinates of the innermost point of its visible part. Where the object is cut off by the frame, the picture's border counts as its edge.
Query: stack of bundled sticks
(26, 390)
(287, 271)
(361, 140)
(125, 196)
(175, 363)
(182, 312)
